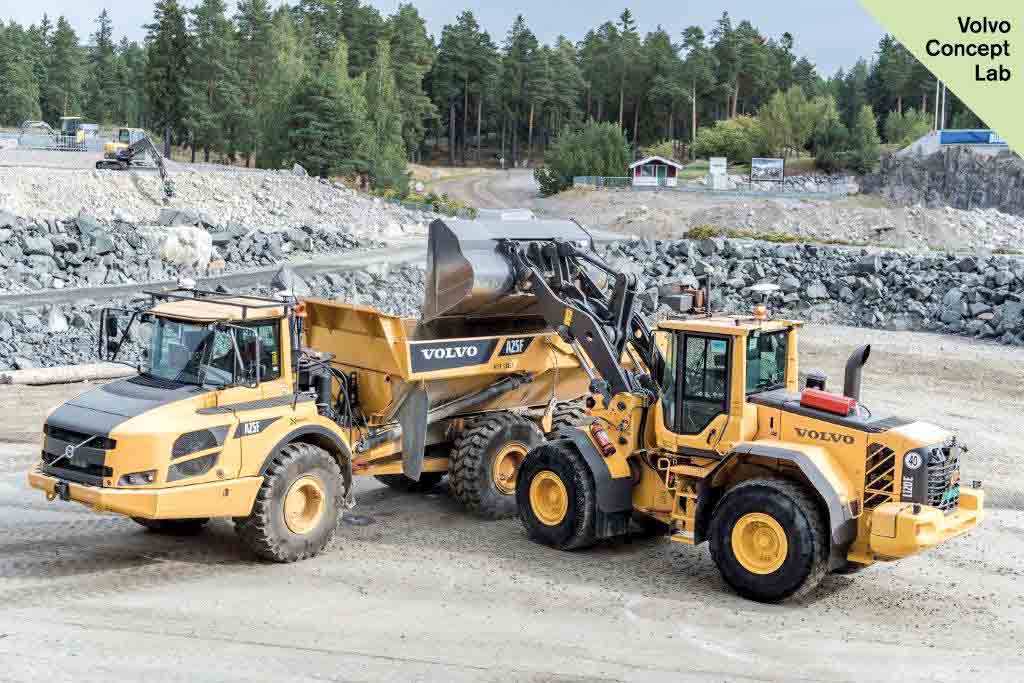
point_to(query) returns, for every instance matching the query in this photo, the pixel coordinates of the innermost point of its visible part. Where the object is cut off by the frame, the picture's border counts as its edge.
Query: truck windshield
(766, 361)
(191, 353)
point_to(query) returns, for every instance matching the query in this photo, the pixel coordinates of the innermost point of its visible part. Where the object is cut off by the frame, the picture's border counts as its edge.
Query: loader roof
(735, 325)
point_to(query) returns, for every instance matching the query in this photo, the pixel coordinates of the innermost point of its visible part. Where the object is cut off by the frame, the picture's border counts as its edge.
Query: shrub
(903, 129)
(838, 149)
(739, 139)
(597, 149)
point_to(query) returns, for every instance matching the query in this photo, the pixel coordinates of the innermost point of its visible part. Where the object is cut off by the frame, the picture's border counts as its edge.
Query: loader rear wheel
(556, 498)
(173, 527)
(486, 460)
(295, 514)
(400, 482)
(769, 540)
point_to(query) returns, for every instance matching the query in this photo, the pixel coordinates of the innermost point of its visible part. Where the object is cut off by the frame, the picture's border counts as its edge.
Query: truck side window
(705, 381)
(270, 349)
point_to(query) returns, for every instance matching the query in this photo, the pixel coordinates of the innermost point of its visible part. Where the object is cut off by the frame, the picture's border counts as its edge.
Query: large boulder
(287, 281)
(187, 246)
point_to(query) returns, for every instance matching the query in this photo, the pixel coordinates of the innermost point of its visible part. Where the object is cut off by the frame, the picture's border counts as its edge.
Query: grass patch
(701, 232)
(1008, 251)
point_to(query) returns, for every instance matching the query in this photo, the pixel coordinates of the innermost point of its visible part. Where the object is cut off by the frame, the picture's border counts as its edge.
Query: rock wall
(954, 176)
(976, 295)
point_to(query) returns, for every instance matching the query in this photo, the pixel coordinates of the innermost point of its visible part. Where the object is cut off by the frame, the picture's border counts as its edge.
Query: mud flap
(412, 415)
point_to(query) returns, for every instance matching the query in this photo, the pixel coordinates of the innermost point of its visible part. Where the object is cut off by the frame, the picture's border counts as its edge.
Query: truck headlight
(192, 468)
(137, 478)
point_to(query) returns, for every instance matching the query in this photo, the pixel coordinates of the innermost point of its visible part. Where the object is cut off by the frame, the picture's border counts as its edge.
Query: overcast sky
(832, 33)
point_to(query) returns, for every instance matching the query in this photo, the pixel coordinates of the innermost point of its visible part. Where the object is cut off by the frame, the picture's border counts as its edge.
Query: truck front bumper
(232, 498)
(898, 531)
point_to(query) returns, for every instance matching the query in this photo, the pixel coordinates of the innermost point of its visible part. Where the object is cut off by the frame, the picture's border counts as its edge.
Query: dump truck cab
(72, 134)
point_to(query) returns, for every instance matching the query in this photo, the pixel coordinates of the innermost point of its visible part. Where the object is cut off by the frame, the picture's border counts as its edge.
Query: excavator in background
(132, 150)
(698, 430)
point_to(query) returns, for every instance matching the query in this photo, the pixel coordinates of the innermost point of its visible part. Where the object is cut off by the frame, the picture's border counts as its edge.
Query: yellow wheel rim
(759, 543)
(304, 504)
(548, 498)
(506, 466)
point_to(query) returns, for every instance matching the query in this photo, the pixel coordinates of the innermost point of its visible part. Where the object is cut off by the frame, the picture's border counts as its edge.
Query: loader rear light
(605, 444)
(830, 403)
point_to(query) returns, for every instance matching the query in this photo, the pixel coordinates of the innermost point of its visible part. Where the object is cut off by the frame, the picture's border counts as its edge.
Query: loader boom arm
(555, 272)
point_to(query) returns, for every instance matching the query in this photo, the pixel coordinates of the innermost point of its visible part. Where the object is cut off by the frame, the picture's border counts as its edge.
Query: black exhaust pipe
(854, 370)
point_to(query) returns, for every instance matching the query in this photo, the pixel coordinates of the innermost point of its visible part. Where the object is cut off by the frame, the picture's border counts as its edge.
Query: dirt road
(413, 589)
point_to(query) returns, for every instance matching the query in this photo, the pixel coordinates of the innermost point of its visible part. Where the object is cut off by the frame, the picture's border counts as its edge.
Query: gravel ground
(414, 589)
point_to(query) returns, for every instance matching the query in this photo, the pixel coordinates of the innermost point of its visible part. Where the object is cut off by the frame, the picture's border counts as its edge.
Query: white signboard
(767, 170)
(717, 165)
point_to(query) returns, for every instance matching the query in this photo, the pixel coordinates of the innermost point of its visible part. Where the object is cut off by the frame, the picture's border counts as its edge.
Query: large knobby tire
(400, 482)
(556, 497)
(486, 460)
(296, 510)
(769, 540)
(569, 414)
(173, 527)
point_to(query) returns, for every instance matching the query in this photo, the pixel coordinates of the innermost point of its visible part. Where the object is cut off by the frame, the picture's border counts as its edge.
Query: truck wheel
(556, 498)
(569, 414)
(173, 527)
(769, 540)
(400, 482)
(295, 514)
(486, 459)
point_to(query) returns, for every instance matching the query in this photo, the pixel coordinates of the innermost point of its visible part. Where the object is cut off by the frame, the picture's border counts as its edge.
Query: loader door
(695, 397)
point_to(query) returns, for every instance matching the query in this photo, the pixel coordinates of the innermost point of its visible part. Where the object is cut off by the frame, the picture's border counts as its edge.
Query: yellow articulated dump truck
(263, 410)
(698, 429)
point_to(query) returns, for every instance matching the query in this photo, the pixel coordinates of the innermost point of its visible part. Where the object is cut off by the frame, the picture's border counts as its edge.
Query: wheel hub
(549, 498)
(759, 543)
(304, 504)
(506, 466)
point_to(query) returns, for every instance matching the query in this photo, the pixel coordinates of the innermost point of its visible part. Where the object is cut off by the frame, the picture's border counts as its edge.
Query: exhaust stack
(854, 370)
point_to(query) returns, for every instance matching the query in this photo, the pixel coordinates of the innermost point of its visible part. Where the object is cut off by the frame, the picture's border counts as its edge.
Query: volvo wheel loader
(698, 429)
(263, 410)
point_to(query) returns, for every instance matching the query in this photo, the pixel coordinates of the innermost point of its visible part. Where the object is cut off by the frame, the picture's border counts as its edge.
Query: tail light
(603, 442)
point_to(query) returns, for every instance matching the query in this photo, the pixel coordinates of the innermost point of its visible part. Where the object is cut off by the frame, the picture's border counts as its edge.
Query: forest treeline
(333, 84)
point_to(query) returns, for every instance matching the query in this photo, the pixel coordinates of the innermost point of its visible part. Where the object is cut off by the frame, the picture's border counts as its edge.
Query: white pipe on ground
(66, 374)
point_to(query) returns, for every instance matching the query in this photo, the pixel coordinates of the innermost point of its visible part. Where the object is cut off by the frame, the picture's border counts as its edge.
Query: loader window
(705, 377)
(669, 386)
(766, 361)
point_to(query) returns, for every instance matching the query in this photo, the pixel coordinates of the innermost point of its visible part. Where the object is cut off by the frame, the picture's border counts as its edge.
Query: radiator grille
(879, 476)
(944, 478)
(74, 438)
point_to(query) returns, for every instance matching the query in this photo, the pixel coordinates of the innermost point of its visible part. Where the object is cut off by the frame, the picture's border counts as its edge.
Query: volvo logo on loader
(830, 437)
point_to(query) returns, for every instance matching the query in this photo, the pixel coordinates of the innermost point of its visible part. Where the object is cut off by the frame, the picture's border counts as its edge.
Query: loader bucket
(467, 276)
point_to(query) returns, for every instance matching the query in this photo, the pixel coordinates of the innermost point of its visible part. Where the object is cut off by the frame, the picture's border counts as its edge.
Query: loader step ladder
(682, 480)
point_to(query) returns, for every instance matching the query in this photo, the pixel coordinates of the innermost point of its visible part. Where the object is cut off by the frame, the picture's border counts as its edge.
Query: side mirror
(110, 324)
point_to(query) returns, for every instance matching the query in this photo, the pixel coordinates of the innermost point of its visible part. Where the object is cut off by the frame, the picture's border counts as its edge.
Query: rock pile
(85, 251)
(978, 295)
(45, 336)
(955, 177)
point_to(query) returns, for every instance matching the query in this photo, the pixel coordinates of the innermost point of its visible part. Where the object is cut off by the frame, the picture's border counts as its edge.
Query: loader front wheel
(769, 540)
(486, 460)
(556, 497)
(295, 514)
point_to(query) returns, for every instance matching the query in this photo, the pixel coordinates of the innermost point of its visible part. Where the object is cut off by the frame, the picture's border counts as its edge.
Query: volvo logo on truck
(428, 356)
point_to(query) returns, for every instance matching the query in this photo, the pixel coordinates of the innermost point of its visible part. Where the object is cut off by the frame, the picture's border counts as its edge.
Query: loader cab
(712, 366)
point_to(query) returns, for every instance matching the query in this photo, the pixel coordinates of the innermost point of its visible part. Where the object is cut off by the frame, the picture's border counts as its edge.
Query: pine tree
(167, 70)
(41, 38)
(412, 55)
(664, 85)
(385, 150)
(64, 73)
(213, 93)
(100, 72)
(519, 49)
(17, 78)
(288, 68)
(129, 92)
(699, 72)
(539, 88)
(569, 85)
(255, 61)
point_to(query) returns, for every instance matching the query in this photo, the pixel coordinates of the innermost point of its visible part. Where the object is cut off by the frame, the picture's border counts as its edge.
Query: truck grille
(944, 478)
(65, 455)
(74, 438)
